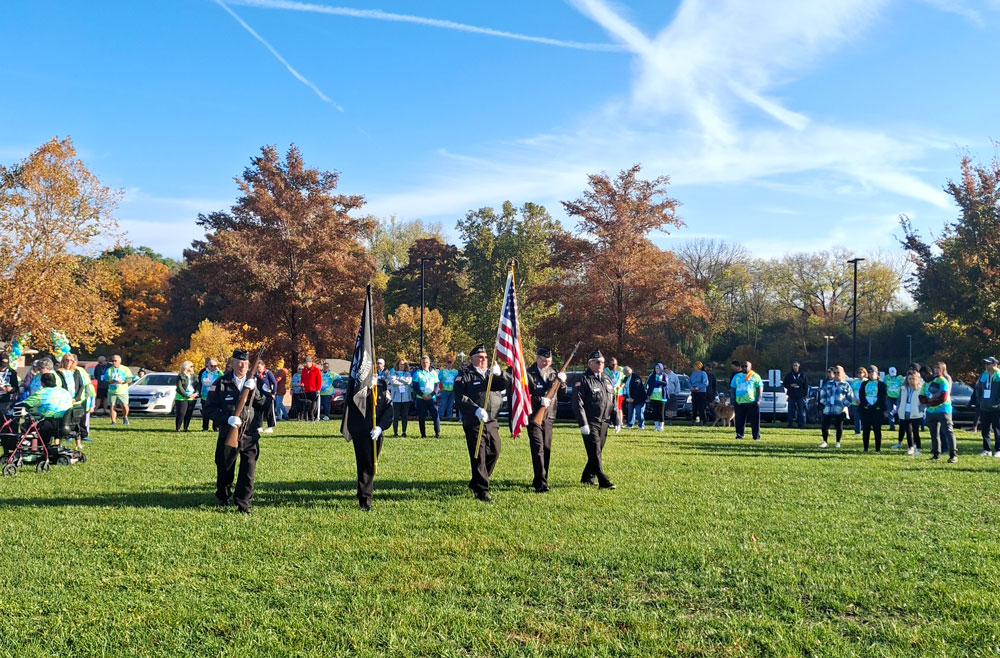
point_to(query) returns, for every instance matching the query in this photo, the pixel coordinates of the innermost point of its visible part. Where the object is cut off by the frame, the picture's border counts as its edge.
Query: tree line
(288, 262)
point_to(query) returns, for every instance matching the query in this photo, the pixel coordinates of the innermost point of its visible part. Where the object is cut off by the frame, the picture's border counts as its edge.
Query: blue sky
(784, 125)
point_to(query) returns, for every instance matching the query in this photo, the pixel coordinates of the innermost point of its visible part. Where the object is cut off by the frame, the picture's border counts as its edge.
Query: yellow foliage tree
(53, 214)
(209, 341)
(142, 308)
(401, 337)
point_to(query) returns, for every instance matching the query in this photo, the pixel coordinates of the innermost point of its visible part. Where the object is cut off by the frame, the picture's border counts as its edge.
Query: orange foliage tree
(141, 284)
(289, 260)
(619, 291)
(53, 213)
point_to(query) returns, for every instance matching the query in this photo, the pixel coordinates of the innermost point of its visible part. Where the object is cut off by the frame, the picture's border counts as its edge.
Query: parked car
(964, 410)
(337, 401)
(814, 411)
(773, 402)
(153, 393)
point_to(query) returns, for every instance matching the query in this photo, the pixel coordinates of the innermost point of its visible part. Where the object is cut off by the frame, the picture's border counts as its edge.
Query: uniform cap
(544, 352)
(596, 354)
(478, 349)
(240, 355)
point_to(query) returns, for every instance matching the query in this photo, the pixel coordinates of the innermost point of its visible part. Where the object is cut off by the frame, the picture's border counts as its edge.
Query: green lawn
(708, 547)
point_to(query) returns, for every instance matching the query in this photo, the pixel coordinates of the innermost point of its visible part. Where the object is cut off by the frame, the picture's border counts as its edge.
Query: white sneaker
(985, 453)
(997, 454)
(837, 445)
(916, 453)
(823, 445)
(898, 446)
(911, 450)
(269, 430)
(618, 428)
(326, 418)
(659, 427)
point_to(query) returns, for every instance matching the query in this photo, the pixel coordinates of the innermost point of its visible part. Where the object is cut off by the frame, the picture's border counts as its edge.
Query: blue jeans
(324, 405)
(797, 412)
(893, 406)
(280, 413)
(856, 415)
(446, 400)
(636, 414)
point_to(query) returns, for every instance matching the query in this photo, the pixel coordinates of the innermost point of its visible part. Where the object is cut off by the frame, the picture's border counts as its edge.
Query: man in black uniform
(8, 384)
(481, 406)
(363, 443)
(595, 401)
(223, 398)
(540, 379)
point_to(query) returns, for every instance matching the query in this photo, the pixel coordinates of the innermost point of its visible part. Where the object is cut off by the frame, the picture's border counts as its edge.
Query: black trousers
(182, 413)
(400, 413)
(657, 407)
(744, 412)
(989, 419)
(837, 420)
(269, 410)
(594, 444)
(423, 408)
(871, 421)
(489, 451)
(225, 467)
(699, 405)
(205, 418)
(366, 467)
(910, 428)
(540, 445)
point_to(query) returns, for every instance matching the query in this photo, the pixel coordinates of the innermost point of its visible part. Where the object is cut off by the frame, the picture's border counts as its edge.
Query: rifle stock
(539, 416)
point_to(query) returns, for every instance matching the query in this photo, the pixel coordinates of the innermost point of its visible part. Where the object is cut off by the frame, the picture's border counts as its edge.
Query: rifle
(539, 416)
(233, 438)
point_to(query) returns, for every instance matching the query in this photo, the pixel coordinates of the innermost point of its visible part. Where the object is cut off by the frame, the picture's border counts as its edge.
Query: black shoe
(245, 511)
(935, 458)
(437, 436)
(739, 437)
(542, 489)
(587, 482)
(608, 486)
(366, 507)
(223, 503)
(404, 435)
(485, 498)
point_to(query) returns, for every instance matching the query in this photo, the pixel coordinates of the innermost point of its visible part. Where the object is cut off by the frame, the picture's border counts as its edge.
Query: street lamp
(854, 313)
(422, 260)
(828, 339)
(909, 345)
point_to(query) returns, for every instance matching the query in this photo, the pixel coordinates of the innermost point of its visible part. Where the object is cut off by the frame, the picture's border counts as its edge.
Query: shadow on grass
(757, 449)
(302, 493)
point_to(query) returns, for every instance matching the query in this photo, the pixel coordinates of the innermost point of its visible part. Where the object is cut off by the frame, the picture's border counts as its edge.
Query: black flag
(358, 403)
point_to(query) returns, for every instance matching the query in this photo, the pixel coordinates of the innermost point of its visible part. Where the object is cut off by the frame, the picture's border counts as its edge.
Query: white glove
(235, 421)
(496, 369)
(250, 384)
(561, 377)
(546, 402)
(585, 430)
(377, 432)
(482, 415)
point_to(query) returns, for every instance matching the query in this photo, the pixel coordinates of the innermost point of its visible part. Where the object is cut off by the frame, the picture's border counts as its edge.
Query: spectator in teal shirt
(326, 389)
(936, 394)
(427, 385)
(446, 399)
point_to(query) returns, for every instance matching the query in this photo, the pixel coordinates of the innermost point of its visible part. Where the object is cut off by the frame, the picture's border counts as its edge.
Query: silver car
(154, 393)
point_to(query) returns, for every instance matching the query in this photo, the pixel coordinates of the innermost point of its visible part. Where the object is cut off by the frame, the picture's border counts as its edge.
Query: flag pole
(374, 425)
(489, 380)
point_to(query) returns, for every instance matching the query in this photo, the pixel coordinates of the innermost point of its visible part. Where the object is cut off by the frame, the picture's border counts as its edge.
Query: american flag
(509, 351)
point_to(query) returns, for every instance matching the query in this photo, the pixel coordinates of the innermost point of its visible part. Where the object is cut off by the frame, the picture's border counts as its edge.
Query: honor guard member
(595, 402)
(363, 443)
(477, 406)
(223, 398)
(541, 376)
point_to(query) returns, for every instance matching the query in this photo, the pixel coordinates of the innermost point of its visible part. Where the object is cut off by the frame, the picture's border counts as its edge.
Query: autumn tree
(401, 335)
(209, 341)
(289, 259)
(491, 240)
(956, 279)
(141, 286)
(617, 290)
(54, 213)
(444, 276)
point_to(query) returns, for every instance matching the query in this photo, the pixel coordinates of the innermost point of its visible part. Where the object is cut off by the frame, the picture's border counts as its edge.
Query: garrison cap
(596, 354)
(478, 349)
(544, 352)
(241, 355)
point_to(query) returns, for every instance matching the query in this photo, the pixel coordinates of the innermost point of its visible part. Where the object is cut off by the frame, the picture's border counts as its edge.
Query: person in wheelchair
(48, 405)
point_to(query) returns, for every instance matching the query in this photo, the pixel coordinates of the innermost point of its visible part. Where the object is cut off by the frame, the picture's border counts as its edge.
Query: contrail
(301, 78)
(379, 15)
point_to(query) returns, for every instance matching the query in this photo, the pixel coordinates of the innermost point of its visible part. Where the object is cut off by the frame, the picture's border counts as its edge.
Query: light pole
(909, 345)
(854, 319)
(422, 260)
(828, 339)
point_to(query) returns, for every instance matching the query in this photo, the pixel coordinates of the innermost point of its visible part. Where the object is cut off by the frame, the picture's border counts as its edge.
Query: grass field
(708, 547)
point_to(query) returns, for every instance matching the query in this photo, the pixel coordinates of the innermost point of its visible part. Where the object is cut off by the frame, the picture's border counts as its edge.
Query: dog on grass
(724, 412)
